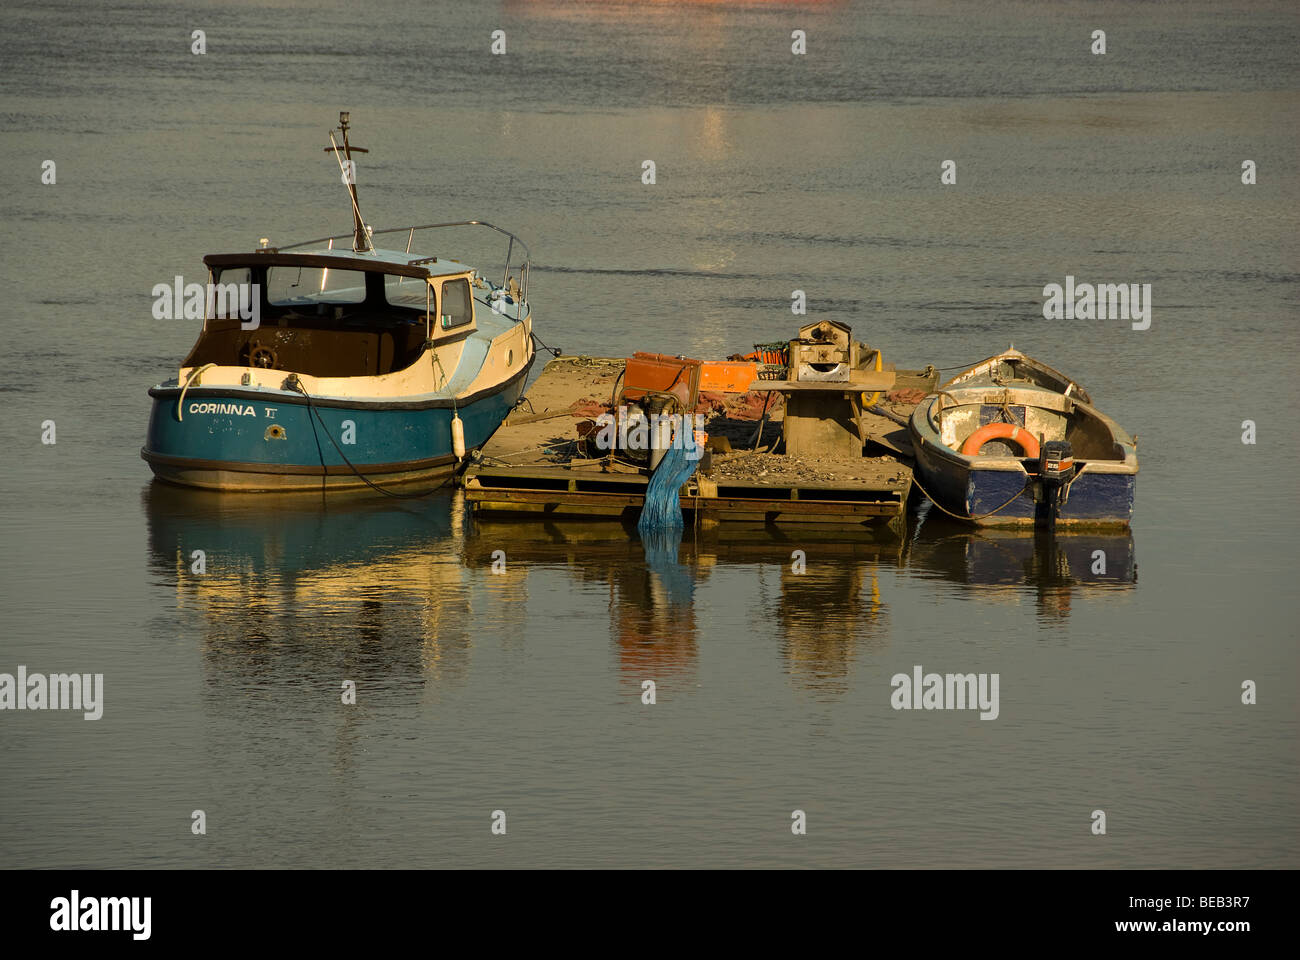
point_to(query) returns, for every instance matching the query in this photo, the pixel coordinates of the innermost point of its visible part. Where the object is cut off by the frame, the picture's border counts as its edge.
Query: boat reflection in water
(315, 592)
(1013, 562)
(301, 593)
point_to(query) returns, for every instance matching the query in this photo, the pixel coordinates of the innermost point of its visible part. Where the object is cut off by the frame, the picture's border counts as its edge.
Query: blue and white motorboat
(331, 364)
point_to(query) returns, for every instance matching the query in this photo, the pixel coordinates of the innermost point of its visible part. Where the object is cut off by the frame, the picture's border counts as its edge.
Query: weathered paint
(1096, 497)
(1102, 494)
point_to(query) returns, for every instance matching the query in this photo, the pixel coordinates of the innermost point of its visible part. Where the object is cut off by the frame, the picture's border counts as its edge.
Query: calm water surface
(521, 692)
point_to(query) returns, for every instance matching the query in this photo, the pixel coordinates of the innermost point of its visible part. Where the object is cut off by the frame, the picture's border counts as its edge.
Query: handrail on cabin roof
(427, 226)
(524, 267)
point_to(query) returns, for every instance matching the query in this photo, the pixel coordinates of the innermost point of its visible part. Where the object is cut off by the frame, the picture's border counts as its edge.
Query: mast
(360, 239)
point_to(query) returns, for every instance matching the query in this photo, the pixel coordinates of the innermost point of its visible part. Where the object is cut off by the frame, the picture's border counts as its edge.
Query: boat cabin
(332, 314)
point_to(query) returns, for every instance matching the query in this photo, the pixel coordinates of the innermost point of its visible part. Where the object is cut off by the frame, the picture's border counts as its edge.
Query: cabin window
(232, 292)
(233, 275)
(286, 286)
(457, 306)
(408, 292)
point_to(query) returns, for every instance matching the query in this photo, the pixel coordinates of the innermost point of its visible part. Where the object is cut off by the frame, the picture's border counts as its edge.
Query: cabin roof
(396, 262)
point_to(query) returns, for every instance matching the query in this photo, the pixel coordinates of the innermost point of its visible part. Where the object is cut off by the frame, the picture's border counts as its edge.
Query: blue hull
(242, 439)
(1095, 499)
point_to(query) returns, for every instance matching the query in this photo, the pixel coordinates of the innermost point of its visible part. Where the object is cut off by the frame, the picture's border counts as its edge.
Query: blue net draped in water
(663, 508)
(661, 558)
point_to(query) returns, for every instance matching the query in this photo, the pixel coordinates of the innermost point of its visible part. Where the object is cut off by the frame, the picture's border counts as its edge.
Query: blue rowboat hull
(1095, 499)
(254, 440)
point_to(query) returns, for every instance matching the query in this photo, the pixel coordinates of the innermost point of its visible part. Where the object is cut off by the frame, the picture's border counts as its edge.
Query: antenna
(361, 237)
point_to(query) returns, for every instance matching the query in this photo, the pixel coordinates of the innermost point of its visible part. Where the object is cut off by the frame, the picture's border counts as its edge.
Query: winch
(823, 352)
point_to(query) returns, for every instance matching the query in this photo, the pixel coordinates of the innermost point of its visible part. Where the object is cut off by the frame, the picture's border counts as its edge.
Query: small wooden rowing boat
(1013, 442)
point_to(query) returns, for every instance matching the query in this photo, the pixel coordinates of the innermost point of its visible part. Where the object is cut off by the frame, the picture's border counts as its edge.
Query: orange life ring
(1001, 431)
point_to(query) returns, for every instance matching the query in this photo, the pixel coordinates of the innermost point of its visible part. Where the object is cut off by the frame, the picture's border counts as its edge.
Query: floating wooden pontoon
(540, 463)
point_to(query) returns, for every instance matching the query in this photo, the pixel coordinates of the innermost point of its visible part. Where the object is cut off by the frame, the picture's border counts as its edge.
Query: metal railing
(411, 231)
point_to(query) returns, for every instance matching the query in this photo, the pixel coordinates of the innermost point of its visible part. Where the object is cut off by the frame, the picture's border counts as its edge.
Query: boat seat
(321, 352)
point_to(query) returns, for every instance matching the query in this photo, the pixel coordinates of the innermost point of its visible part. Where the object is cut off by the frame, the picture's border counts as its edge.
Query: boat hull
(1098, 497)
(271, 440)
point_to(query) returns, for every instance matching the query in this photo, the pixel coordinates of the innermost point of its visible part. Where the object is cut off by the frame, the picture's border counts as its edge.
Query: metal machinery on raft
(830, 380)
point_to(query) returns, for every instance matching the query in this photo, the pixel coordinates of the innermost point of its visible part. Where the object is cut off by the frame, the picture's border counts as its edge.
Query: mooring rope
(537, 341)
(982, 516)
(297, 384)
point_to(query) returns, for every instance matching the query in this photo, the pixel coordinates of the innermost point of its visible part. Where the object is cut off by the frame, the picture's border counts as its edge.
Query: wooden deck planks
(523, 468)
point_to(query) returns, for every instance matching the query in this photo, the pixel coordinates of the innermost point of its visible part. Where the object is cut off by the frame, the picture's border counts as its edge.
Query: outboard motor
(1055, 471)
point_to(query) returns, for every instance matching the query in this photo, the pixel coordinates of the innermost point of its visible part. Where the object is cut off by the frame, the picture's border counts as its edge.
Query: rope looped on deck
(193, 378)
